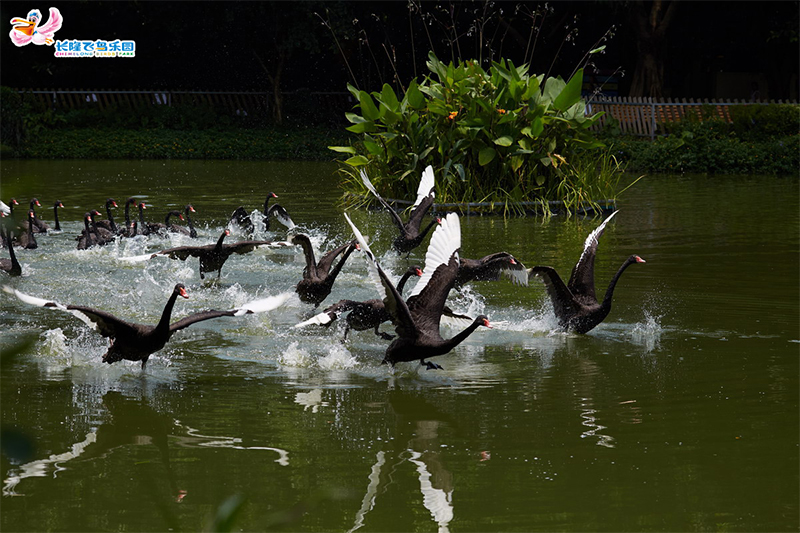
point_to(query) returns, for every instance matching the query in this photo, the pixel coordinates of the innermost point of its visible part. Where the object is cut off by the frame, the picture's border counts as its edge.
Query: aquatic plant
(500, 136)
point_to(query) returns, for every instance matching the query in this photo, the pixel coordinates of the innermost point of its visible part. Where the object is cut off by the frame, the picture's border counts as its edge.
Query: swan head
(181, 290)
(483, 320)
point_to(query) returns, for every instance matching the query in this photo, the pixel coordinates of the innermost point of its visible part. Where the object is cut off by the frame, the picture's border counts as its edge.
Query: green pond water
(678, 413)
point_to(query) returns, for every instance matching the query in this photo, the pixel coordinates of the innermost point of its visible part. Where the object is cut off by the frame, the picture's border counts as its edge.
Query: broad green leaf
(505, 140)
(362, 127)
(357, 161)
(571, 94)
(486, 156)
(368, 108)
(355, 118)
(414, 95)
(389, 99)
(343, 149)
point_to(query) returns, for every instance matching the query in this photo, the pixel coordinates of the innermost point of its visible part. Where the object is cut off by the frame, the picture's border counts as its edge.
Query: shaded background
(698, 49)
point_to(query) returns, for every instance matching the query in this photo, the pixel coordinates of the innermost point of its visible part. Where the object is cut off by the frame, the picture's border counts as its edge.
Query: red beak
(183, 293)
(640, 260)
(181, 217)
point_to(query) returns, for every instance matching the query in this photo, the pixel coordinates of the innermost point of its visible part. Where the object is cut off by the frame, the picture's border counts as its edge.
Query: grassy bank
(255, 144)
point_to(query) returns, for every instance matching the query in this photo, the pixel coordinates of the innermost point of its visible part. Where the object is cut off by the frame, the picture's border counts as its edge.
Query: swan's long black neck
(308, 251)
(16, 269)
(610, 291)
(458, 339)
(128, 213)
(55, 217)
(88, 230)
(141, 215)
(111, 218)
(218, 246)
(266, 213)
(192, 231)
(402, 283)
(163, 324)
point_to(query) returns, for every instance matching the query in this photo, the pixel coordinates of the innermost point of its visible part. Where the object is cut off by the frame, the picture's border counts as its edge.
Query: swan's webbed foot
(429, 365)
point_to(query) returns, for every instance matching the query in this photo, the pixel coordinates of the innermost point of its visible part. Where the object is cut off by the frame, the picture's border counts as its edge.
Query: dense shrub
(499, 136)
(761, 139)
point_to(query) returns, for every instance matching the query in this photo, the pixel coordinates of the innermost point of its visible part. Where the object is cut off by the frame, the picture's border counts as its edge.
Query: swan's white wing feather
(4, 208)
(32, 300)
(263, 305)
(137, 258)
(517, 276)
(372, 262)
(445, 242)
(320, 319)
(39, 302)
(367, 183)
(426, 185)
(591, 240)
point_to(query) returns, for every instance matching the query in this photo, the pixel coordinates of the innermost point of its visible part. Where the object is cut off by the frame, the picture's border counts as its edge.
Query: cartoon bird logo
(27, 30)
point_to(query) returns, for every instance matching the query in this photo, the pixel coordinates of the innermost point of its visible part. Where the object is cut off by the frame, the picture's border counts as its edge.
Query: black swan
(417, 318)
(575, 303)
(318, 276)
(87, 238)
(191, 232)
(10, 266)
(369, 314)
(166, 227)
(38, 225)
(126, 231)
(490, 268)
(109, 224)
(136, 342)
(56, 205)
(104, 236)
(26, 239)
(144, 227)
(410, 235)
(241, 218)
(212, 256)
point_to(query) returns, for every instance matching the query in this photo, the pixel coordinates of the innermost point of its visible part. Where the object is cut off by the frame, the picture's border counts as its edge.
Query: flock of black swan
(416, 318)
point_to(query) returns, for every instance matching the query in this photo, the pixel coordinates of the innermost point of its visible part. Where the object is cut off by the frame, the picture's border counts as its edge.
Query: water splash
(647, 333)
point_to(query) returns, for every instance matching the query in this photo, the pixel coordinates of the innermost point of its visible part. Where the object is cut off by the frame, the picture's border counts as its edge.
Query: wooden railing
(644, 116)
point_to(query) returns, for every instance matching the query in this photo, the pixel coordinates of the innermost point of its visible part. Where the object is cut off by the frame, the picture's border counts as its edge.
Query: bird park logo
(28, 30)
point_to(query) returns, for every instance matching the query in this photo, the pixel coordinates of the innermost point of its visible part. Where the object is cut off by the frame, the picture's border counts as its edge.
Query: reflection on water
(132, 422)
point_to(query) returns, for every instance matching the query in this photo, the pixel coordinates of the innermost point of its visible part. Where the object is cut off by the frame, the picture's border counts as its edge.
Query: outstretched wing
(263, 305)
(395, 305)
(185, 322)
(441, 267)
(491, 267)
(581, 281)
(325, 262)
(281, 215)
(561, 297)
(328, 315)
(53, 23)
(105, 323)
(183, 252)
(395, 217)
(426, 186)
(244, 247)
